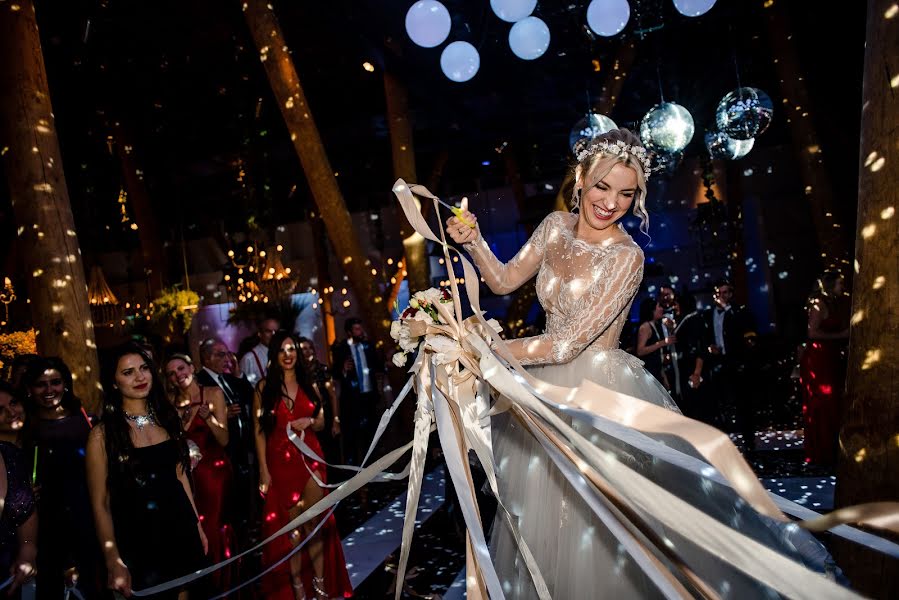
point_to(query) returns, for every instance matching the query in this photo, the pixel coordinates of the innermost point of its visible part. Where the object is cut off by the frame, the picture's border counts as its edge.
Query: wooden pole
(40, 200)
(297, 114)
(403, 153)
(869, 440)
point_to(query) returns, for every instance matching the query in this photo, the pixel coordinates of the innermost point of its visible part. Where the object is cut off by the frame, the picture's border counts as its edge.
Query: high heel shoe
(318, 584)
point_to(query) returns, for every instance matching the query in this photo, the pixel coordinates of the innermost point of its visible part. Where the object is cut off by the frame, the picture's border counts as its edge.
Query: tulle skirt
(577, 555)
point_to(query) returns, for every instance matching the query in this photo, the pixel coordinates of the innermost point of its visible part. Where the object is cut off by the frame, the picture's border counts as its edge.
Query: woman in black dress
(56, 435)
(651, 342)
(138, 465)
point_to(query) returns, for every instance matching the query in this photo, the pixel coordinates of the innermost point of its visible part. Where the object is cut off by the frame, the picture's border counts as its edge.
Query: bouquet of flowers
(422, 309)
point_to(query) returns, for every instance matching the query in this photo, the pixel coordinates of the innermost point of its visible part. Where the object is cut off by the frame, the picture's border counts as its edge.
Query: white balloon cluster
(428, 24)
(609, 17)
(529, 36)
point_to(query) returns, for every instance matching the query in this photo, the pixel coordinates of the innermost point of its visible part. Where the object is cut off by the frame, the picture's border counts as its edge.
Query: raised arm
(502, 278)
(265, 479)
(604, 301)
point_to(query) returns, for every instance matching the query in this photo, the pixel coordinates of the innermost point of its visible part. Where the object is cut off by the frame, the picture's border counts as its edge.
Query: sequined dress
(586, 291)
(18, 505)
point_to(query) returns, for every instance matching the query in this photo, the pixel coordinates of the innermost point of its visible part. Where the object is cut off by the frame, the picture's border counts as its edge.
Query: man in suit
(214, 356)
(730, 358)
(359, 369)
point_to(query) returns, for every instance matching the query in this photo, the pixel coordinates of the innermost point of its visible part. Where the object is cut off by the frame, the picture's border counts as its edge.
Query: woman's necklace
(142, 421)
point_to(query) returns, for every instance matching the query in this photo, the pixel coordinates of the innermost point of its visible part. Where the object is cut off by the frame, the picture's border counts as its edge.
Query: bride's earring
(577, 201)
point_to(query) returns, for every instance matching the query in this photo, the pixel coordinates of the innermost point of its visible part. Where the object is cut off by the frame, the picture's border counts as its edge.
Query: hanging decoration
(7, 297)
(460, 61)
(608, 17)
(256, 275)
(667, 127)
(693, 8)
(744, 113)
(103, 302)
(722, 146)
(592, 125)
(529, 38)
(428, 23)
(513, 11)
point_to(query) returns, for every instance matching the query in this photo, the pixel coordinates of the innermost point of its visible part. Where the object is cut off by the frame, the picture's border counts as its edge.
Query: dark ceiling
(183, 80)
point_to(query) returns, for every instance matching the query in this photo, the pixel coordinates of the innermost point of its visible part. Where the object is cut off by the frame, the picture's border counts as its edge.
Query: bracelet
(337, 419)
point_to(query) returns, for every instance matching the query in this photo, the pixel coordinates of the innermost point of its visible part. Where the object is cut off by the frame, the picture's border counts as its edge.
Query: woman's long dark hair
(117, 432)
(274, 389)
(37, 367)
(648, 309)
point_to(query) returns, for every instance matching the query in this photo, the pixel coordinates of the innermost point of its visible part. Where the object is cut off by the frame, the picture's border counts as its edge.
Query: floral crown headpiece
(620, 149)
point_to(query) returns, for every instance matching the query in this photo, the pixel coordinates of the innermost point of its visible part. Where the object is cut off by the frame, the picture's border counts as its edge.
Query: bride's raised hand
(463, 227)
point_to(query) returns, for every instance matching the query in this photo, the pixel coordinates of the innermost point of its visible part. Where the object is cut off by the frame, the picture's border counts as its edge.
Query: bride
(588, 271)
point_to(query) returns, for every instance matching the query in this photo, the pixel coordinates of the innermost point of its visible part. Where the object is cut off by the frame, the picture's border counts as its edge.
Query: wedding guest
(254, 363)
(286, 398)
(18, 517)
(359, 370)
(54, 444)
(203, 416)
(323, 382)
(822, 367)
(137, 467)
(652, 344)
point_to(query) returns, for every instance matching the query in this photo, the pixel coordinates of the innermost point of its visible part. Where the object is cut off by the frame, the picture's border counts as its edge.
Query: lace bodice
(586, 289)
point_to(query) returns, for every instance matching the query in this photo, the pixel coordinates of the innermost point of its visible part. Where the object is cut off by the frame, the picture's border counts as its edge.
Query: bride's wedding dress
(586, 291)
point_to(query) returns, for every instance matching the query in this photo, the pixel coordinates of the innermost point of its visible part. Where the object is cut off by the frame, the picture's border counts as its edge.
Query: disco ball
(667, 127)
(744, 113)
(588, 128)
(723, 146)
(460, 61)
(428, 23)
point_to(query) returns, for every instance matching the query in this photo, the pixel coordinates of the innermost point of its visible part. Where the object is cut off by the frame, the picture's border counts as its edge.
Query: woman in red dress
(286, 398)
(822, 368)
(204, 417)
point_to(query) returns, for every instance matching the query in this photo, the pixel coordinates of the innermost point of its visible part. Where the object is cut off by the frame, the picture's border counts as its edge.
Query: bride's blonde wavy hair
(589, 171)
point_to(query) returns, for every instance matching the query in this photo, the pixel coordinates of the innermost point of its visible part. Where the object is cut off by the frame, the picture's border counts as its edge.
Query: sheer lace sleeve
(612, 292)
(504, 278)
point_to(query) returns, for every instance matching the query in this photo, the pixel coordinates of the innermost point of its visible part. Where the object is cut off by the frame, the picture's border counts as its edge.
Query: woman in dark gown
(137, 465)
(323, 382)
(822, 368)
(204, 415)
(650, 341)
(56, 436)
(285, 398)
(18, 519)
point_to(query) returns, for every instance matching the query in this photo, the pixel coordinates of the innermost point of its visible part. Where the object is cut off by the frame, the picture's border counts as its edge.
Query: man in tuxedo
(731, 345)
(359, 369)
(214, 355)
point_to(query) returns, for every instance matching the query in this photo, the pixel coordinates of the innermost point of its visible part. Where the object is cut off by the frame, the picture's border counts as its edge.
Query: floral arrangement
(176, 307)
(422, 309)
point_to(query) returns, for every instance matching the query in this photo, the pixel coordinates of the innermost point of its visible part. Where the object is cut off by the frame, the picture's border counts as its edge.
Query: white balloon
(693, 8)
(428, 23)
(529, 38)
(513, 10)
(608, 17)
(460, 61)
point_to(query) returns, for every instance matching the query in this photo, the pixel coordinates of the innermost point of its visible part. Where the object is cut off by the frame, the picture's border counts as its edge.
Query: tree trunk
(403, 153)
(869, 453)
(40, 201)
(323, 274)
(289, 94)
(798, 107)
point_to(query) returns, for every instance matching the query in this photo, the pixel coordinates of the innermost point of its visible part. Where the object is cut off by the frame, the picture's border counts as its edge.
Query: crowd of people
(186, 465)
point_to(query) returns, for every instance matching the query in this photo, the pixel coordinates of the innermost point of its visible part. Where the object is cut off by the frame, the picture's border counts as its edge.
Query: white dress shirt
(254, 364)
(230, 396)
(362, 372)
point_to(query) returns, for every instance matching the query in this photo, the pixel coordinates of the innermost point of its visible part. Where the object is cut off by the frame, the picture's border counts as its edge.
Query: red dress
(289, 477)
(212, 484)
(822, 373)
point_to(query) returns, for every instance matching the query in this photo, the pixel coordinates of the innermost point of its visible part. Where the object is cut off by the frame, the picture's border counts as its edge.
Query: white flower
(421, 315)
(431, 295)
(413, 302)
(407, 342)
(396, 329)
(446, 349)
(399, 359)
